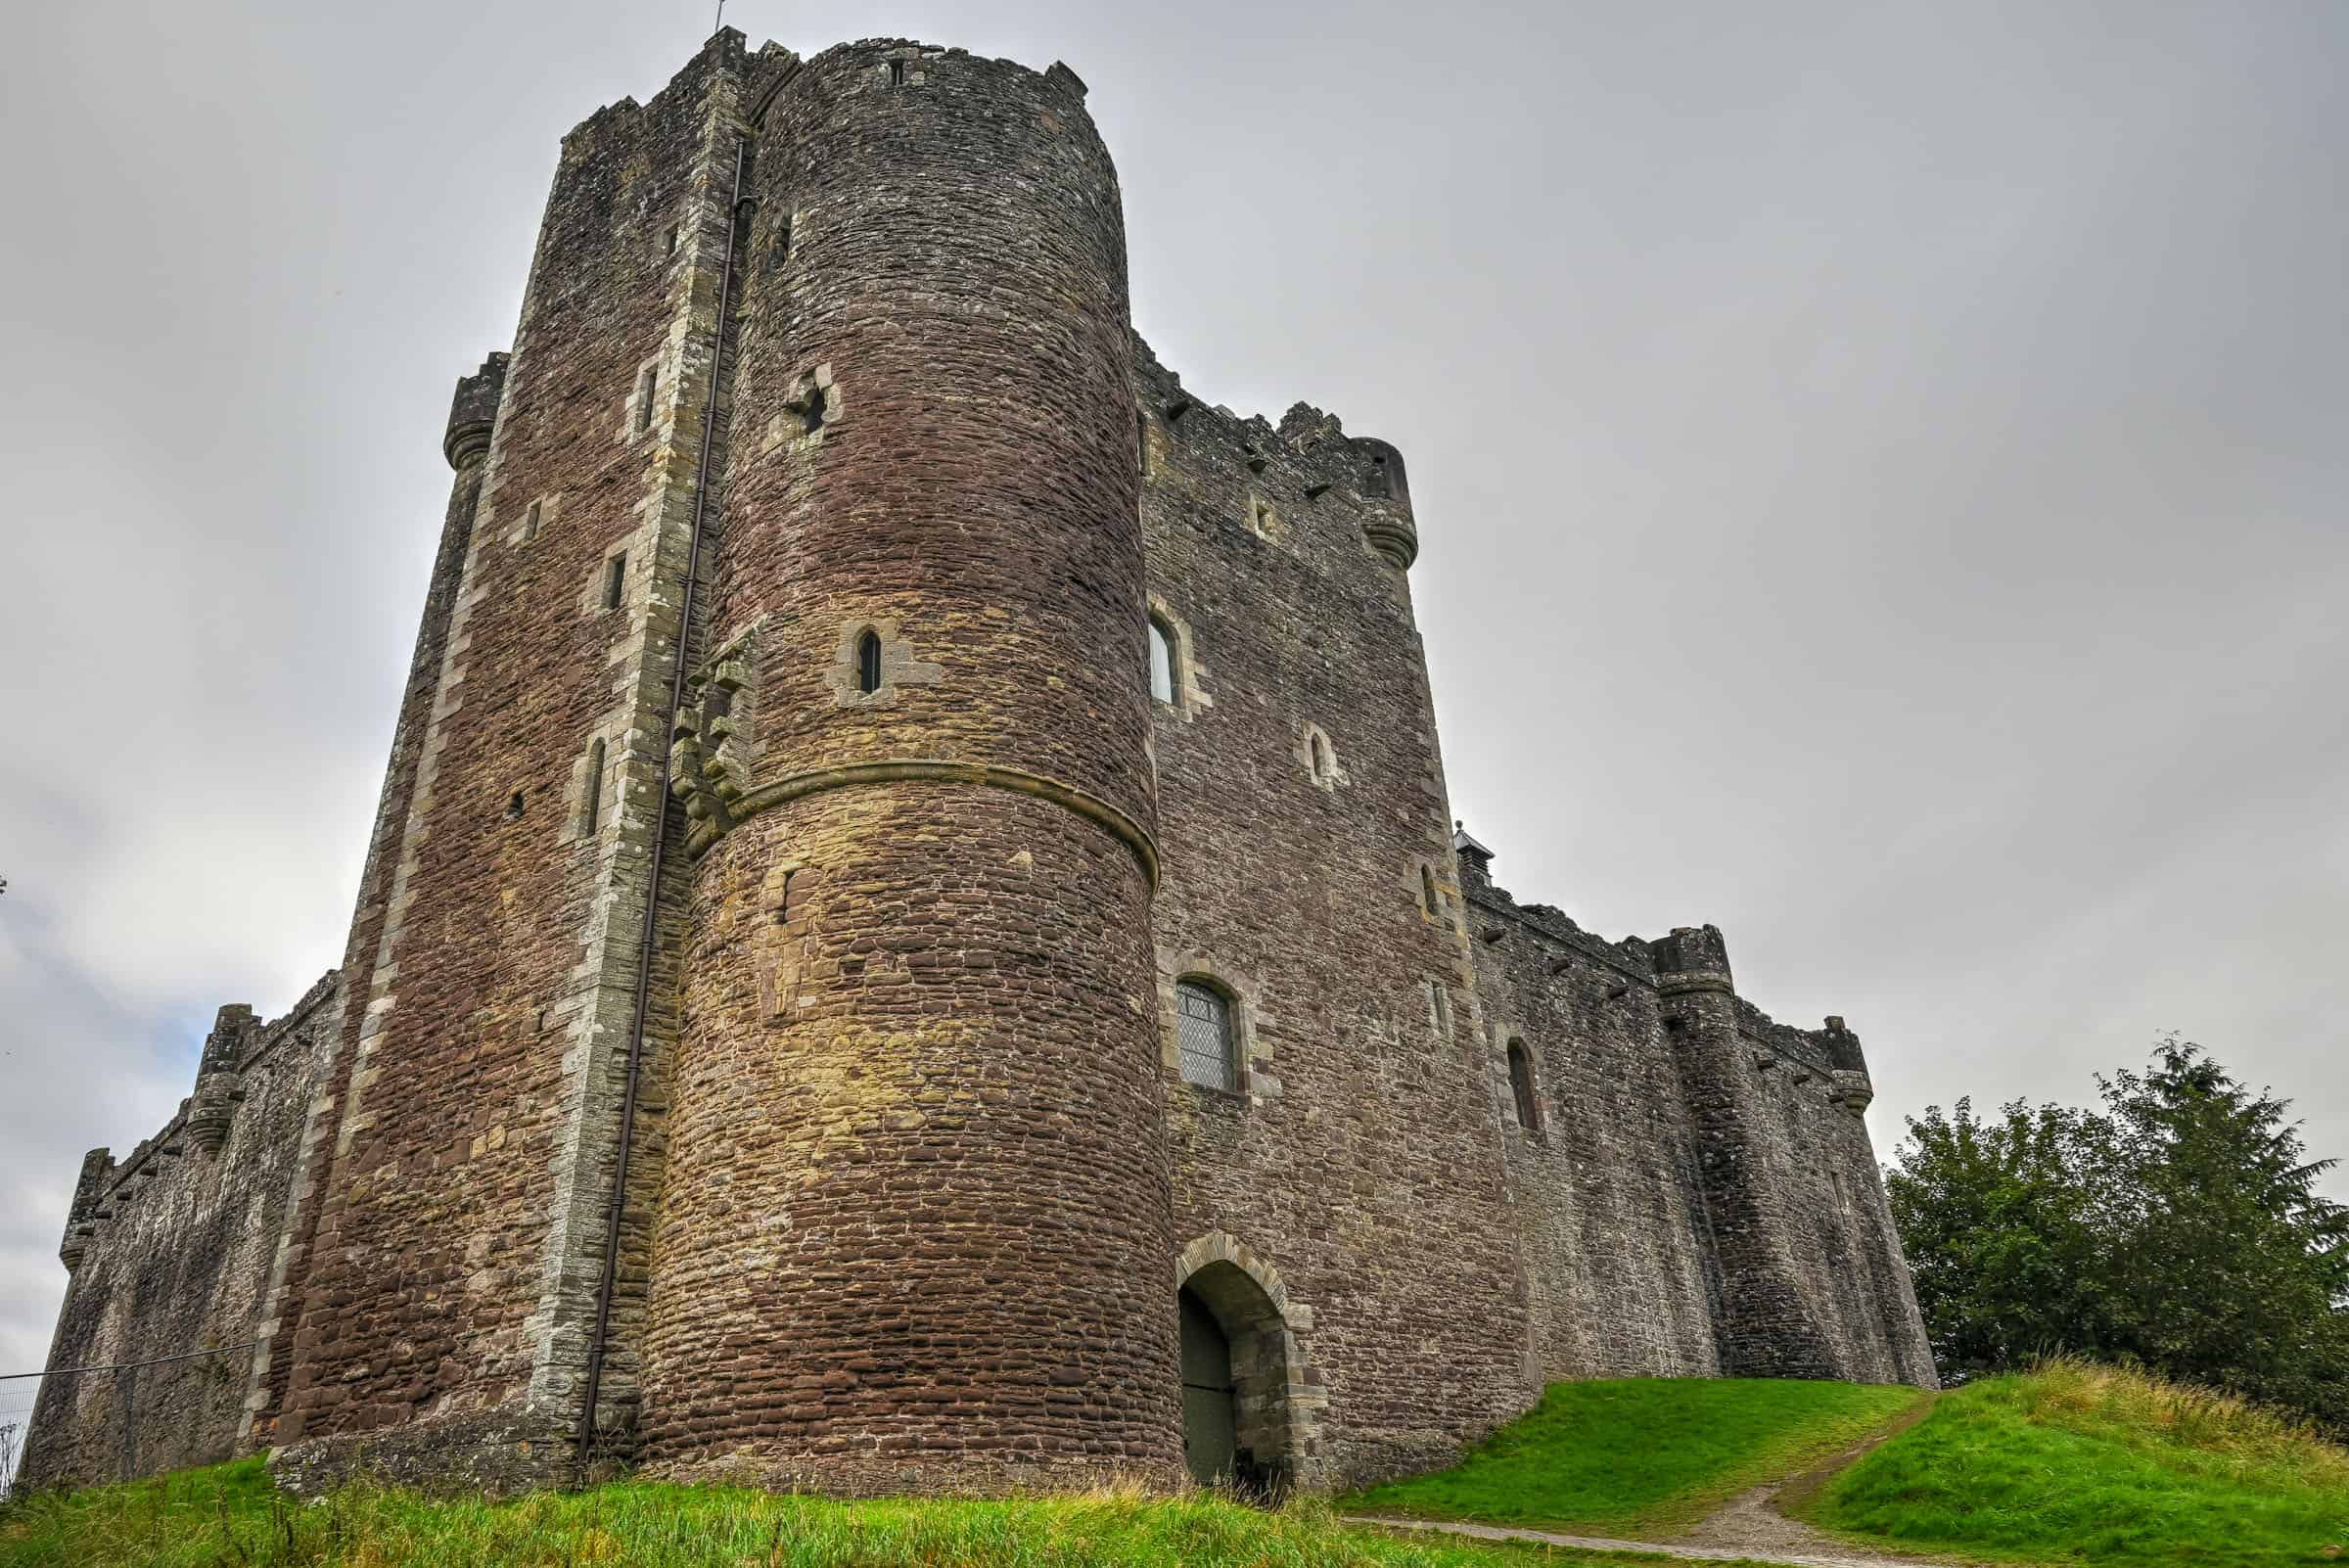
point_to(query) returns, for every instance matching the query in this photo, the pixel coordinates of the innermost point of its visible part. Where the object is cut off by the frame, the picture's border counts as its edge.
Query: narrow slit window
(591, 797)
(1427, 893)
(811, 411)
(1382, 488)
(1521, 1087)
(615, 581)
(1325, 766)
(529, 521)
(868, 662)
(648, 381)
(1204, 1042)
(514, 806)
(783, 240)
(1442, 1004)
(674, 239)
(1162, 661)
(1141, 443)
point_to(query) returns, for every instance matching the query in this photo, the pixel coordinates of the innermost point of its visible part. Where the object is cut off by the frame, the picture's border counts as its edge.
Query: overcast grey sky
(1880, 470)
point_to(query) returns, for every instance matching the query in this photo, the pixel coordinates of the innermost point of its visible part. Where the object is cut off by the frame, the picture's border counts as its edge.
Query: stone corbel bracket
(710, 747)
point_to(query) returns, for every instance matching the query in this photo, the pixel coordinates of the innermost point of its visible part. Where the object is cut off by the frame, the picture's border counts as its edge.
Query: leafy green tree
(2236, 1267)
(2005, 1237)
(2179, 1227)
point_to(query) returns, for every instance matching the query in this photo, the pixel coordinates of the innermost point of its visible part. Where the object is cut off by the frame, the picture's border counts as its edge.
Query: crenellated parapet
(1780, 1190)
(168, 1250)
(1297, 485)
(239, 1044)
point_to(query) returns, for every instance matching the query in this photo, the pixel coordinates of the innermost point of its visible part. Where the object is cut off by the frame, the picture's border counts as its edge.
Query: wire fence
(118, 1420)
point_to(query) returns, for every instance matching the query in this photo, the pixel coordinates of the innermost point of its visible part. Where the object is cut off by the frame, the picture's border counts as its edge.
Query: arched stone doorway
(1243, 1395)
(1209, 1420)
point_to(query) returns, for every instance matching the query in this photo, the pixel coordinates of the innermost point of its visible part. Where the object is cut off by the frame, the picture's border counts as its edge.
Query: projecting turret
(916, 1141)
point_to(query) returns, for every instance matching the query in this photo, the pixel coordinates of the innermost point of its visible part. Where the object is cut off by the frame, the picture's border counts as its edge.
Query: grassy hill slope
(2081, 1463)
(229, 1516)
(1640, 1456)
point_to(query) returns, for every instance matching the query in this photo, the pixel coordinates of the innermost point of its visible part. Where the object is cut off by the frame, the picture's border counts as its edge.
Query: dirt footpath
(1749, 1527)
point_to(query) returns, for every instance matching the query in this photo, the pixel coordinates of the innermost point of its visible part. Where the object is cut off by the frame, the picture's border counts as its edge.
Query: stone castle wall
(170, 1250)
(1697, 1193)
(1300, 797)
(912, 1173)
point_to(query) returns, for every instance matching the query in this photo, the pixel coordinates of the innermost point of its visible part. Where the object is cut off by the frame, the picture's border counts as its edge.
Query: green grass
(229, 1516)
(2081, 1463)
(1640, 1456)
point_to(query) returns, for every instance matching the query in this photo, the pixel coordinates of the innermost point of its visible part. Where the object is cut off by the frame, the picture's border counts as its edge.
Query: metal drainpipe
(652, 900)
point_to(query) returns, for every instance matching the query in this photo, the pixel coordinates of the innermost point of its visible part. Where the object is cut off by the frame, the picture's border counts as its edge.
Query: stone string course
(913, 1181)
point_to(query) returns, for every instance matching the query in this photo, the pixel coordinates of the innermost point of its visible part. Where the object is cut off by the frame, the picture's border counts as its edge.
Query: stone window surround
(1265, 520)
(1504, 1033)
(899, 669)
(639, 421)
(1328, 781)
(1251, 1062)
(574, 794)
(1190, 692)
(1524, 1111)
(548, 507)
(1428, 877)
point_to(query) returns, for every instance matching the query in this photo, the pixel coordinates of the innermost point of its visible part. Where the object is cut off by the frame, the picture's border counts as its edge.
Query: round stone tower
(915, 1228)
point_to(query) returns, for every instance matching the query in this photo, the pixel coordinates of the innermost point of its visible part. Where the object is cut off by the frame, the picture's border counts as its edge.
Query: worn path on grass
(1844, 1556)
(1749, 1527)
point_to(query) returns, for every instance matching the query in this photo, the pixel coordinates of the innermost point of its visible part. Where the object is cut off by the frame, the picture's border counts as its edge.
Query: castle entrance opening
(1235, 1382)
(1209, 1442)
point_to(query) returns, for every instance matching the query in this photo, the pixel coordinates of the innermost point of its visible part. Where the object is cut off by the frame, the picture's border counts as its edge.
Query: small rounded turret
(212, 1107)
(1693, 958)
(473, 413)
(1387, 521)
(81, 1219)
(1855, 1090)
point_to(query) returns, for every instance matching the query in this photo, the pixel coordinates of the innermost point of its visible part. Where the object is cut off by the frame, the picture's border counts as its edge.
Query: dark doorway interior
(1235, 1384)
(1210, 1445)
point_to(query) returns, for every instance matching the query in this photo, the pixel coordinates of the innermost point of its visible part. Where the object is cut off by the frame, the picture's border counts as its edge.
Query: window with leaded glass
(1203, 1036)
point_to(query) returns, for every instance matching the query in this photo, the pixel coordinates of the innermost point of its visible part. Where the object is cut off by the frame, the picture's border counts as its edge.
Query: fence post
(130, 1427)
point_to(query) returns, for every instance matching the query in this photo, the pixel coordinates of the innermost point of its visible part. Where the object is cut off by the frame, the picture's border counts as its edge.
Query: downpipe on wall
(597, 1345)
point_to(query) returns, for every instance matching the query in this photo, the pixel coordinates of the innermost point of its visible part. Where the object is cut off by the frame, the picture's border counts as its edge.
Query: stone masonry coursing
(170, 1250)
(914, 1173)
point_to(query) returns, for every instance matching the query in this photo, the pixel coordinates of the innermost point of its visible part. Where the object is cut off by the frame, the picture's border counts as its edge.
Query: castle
(914, 939)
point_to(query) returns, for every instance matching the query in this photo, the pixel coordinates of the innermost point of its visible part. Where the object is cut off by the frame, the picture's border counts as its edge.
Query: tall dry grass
(2147, 1412)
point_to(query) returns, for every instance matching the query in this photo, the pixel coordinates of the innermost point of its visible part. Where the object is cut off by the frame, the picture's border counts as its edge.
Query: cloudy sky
(1881, 471)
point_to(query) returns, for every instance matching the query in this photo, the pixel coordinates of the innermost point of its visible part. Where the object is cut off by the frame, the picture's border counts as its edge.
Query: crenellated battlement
(1302, 484)
(238, 1044)
(1689, 957)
